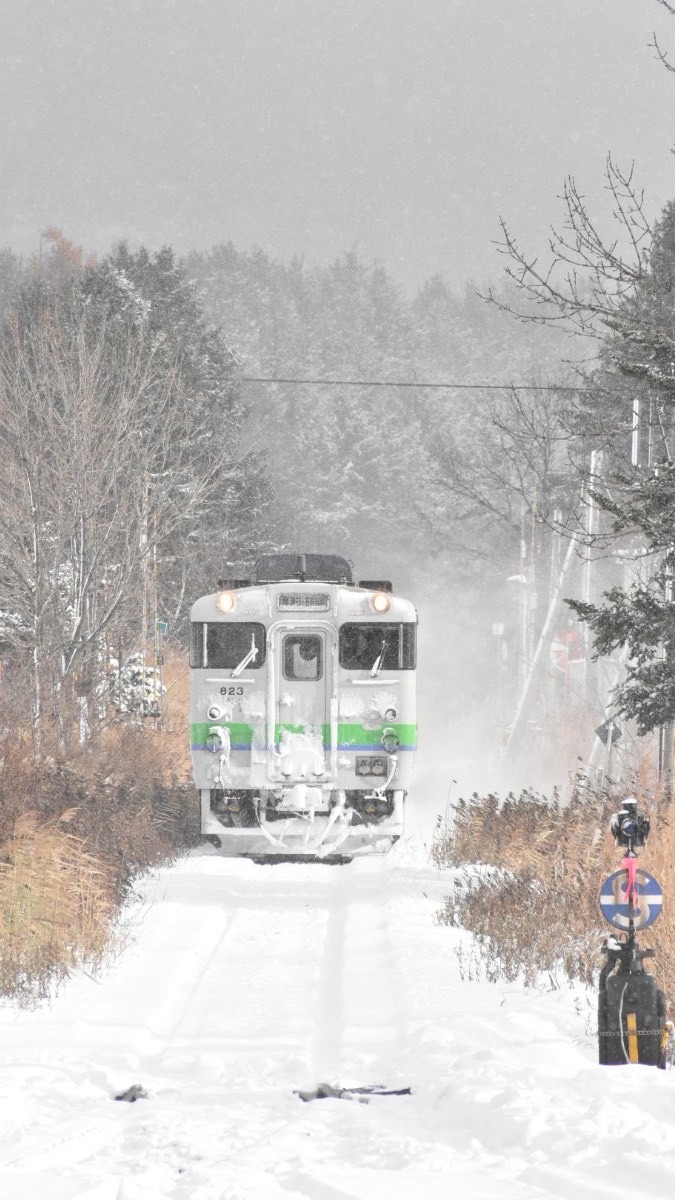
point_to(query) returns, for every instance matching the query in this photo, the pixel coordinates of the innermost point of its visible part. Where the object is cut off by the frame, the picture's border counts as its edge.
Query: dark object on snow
(326, 1091)
(266, 860)
(132, 1094)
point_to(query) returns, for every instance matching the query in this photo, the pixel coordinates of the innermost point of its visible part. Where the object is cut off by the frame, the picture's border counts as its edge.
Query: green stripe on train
(358, 735)
(241, 734)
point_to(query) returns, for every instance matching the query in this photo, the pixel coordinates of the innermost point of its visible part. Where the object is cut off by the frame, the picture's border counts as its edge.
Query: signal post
(632, 1025)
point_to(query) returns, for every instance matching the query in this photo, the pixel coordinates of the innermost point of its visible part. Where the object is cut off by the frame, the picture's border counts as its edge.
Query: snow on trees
(117, 439)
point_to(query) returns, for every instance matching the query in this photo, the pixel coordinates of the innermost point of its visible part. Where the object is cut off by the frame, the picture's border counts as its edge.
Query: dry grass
(535, 909)
(56, 908)
(74, 834)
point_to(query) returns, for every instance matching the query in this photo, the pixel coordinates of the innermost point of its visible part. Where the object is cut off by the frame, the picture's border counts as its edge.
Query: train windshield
(362, 645)
(303, 656)
(226, 645)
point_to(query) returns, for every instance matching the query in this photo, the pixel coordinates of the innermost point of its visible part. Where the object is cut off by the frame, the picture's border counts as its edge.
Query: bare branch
(662, 54)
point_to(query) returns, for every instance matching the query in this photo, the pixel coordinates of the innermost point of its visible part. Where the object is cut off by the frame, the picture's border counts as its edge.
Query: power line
(404, 383)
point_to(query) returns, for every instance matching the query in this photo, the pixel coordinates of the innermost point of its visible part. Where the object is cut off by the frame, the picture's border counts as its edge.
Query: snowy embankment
(242, 983)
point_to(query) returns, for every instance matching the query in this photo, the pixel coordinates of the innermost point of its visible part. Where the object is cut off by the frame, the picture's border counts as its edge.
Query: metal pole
(667, 730)
(543, 638)
(635, 441)
(607, 757)
(588, 572)
(591, 522)
(524, 605)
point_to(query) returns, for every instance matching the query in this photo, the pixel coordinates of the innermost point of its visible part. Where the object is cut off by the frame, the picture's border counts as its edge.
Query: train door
(304, 686)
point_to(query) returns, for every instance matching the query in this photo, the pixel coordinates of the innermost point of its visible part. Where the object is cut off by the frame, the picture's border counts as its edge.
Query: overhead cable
(405, 383)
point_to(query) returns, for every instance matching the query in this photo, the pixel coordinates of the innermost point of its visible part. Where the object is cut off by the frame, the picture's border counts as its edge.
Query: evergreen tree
(638, 358)
(155, 291)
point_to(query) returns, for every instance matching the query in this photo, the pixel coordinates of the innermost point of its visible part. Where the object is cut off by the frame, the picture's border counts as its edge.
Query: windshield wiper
(375, 669)
(250, 657)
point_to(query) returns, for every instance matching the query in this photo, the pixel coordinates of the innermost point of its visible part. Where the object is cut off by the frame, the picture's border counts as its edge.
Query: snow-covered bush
(135, 687)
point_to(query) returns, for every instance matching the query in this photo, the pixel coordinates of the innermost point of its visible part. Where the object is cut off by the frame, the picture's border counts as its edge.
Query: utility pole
(524, 637)
(666, 755)
(635, 440)
(667, 730)
(544, 638)
(590, 530)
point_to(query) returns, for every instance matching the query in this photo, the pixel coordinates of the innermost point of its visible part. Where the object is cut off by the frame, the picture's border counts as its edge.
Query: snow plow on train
(303, 722)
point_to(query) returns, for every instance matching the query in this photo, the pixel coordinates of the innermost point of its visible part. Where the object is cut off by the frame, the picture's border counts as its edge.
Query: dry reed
(76, 833)
(56, 909)
(535, 910)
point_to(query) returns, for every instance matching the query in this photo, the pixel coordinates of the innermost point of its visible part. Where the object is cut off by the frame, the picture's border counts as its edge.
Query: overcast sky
(399, 128)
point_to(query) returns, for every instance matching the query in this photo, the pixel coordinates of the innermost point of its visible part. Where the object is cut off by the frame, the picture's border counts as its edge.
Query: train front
(303, 725)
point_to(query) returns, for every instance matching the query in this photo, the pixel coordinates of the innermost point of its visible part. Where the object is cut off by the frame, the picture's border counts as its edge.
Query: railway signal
(632, 1026)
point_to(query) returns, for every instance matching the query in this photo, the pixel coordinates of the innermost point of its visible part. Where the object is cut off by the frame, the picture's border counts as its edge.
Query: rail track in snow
(241, 985)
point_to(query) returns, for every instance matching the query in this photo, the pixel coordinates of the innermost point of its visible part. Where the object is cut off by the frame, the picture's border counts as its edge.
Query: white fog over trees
(151, 445)
(133, 435)
(469, 497)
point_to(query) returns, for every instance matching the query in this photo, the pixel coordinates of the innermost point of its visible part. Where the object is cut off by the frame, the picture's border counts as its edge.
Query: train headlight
(380, 602)
(215, 713)
(226, 601)
(390, 740)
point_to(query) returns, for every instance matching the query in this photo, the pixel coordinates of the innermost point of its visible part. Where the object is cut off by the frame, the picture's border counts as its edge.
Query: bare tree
(583, 286)
(103, 456)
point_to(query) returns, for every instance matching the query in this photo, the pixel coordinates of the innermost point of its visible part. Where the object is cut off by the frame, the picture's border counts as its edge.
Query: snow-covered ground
(241, 984)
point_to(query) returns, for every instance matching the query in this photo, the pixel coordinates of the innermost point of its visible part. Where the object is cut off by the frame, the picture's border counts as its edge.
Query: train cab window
(361, 645)
(225, 645)
(303, 656)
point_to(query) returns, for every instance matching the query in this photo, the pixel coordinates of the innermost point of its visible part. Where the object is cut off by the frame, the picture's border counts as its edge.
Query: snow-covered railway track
(358, 1012)
(242, 984)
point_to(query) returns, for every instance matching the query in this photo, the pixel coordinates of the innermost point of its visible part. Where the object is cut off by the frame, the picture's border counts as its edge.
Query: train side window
(361, 645)
(197, 644)
(223, 645)
(303, 656)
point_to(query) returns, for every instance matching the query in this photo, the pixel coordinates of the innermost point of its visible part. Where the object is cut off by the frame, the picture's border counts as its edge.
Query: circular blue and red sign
(620, 909)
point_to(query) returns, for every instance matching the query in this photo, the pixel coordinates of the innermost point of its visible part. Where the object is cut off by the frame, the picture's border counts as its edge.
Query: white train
(303, 723)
